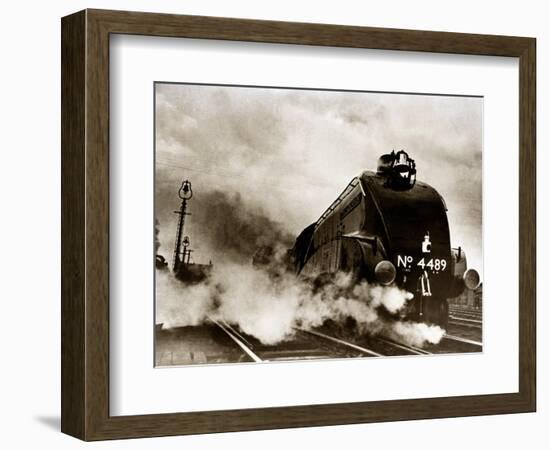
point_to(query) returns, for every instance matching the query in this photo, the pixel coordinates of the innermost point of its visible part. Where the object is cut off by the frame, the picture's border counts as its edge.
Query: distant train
(388, 228)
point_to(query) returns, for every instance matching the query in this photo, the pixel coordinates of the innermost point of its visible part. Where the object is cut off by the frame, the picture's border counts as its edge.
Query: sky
(281, 156)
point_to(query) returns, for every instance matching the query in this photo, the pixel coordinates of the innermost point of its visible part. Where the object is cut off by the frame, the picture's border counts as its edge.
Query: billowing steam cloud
(236, 230)
(252, 288)
(272, 308)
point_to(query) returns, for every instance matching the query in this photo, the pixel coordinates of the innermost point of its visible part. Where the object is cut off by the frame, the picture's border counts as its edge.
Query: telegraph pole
(185, 193)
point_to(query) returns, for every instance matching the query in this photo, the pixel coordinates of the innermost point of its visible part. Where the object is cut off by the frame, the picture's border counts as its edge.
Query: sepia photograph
(297, 224)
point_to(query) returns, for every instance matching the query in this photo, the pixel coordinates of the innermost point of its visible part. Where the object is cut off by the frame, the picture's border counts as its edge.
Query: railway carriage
(388, 228)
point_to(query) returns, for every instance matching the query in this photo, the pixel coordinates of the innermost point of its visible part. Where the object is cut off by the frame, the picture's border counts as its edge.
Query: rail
(244, 347)
(341, 342)
(410, 348)
(463, 340)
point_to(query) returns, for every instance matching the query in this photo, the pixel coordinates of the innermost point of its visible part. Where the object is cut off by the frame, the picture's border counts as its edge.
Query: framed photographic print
(272, 224)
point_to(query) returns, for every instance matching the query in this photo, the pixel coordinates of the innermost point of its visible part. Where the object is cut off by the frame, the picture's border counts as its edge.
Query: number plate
(407, 263)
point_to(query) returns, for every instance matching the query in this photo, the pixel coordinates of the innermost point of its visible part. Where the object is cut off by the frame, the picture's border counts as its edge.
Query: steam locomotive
(390, 229)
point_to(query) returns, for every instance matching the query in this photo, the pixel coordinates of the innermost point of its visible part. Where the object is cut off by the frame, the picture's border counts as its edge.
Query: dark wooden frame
(85, 224)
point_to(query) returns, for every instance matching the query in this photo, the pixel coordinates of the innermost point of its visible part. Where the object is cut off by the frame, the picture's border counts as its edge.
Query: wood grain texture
(72, 224)
(527, 224)
(85, 224)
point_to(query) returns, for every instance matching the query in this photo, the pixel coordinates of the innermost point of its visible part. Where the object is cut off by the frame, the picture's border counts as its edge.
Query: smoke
(179, 304)
(252, 286)
(235, 229)
(272, 306)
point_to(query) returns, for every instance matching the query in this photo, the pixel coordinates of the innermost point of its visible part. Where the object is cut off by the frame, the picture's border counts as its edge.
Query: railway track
(238, 339)
(383, 351)
(337, 348)
(467, 318)
(454, 338)
(220, 342)
(468, 323)
(466, 313)
(257, 352)
(344, 343)
(409, 348)
(326, 345)
(472, 319)
(463, 319)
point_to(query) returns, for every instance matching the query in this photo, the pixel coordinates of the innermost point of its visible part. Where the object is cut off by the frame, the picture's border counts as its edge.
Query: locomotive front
(390, 229)
(411, 218)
